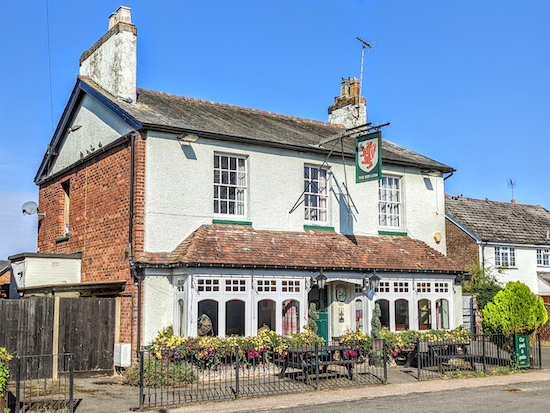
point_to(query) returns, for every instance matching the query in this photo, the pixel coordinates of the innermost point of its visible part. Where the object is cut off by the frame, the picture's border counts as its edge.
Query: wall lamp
(320, 281)
(430, 172)
(372, 281)
(187, 137)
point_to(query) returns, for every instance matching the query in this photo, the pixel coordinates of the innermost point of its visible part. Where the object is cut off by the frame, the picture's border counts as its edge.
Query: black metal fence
(181, 376)
(43, 383)
(482, 353)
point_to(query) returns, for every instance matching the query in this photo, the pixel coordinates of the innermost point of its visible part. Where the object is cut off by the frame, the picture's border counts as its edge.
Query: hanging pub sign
(368, 157)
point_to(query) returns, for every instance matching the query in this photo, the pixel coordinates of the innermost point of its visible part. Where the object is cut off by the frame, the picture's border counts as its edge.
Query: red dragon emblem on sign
(368, 153)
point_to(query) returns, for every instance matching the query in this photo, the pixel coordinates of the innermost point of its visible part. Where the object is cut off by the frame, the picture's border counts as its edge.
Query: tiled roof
(500, 221)
(5, 273)
(243, 246)
(545, 276)
(162, 110)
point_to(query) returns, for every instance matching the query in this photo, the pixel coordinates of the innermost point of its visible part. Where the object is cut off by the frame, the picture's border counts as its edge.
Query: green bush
(5, 358)
(161, 373)
(515, 310)
(483, 284)
(376, 324)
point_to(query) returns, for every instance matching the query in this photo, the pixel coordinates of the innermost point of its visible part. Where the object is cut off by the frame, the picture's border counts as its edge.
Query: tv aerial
(369, 46)
(30, 208)
(511, 184)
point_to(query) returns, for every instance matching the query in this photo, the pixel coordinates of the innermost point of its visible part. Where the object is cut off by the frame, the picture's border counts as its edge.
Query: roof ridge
(456, 197)
(154, 92)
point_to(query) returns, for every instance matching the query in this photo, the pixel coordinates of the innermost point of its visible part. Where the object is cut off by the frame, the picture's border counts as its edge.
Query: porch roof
(240, 246)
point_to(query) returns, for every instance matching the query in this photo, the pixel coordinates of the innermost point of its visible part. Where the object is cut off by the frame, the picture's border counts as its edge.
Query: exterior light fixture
(374, 281)
(320, 281)
(187, 137)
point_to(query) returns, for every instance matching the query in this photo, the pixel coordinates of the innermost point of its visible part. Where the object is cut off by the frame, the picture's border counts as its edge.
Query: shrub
(5, 358)
(515, 310)
(313, 317)
(484, 284)
(161, 373)
(376, 324)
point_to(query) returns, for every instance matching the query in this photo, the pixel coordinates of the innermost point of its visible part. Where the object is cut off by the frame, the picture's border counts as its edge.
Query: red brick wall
(99, 221)
(461, 247)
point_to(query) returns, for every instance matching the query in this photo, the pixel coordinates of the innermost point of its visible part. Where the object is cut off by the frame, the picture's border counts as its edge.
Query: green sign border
(376, 173)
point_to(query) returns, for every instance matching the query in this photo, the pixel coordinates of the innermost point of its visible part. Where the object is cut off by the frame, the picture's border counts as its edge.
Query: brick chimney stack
(349, 109)
(112, 61)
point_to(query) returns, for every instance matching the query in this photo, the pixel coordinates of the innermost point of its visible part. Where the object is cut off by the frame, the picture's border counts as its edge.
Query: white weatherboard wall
(98, 126)
(179, 192)
(525, 269)
(35, 271)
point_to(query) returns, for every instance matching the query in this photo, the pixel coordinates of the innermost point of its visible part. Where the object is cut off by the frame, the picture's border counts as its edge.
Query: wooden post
(118, 310)
(55, 347)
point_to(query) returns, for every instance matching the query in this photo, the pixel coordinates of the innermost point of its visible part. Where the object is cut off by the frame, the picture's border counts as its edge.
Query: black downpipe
(130, 239)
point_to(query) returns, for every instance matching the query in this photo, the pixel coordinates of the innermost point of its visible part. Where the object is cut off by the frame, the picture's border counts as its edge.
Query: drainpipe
(136, 275)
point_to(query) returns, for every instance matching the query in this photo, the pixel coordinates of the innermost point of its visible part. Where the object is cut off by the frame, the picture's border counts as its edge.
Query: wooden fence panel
(26, 328)
(87, 329)
(545, 329)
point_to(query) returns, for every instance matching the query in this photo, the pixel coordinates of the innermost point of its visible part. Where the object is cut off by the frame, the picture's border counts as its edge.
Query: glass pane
(223, 206)
(232, 208)
(223, 192)
(306, 172)
(231, 193)
(233, 164)
(216, 161)
(216, 177)
(241, 165)
(216, 207)
(233, 178)
(225, 177)
(225, 162)
(240, 194)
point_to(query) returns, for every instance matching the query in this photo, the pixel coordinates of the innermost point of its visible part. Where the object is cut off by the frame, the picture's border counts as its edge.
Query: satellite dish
(30, 208)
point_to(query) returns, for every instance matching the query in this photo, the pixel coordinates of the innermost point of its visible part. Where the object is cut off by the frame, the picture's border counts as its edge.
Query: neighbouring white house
(222, 220)
(509, 236)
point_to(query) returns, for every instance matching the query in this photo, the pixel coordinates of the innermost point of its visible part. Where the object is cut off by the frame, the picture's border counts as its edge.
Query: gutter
(294, 267)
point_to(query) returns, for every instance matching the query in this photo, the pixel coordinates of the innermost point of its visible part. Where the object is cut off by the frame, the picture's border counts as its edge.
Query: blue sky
(464, 82)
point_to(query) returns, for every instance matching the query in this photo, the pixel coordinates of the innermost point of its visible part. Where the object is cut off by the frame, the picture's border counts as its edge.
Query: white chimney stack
(112, 61)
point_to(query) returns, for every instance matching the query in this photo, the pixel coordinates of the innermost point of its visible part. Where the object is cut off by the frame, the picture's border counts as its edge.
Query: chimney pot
(513, 201)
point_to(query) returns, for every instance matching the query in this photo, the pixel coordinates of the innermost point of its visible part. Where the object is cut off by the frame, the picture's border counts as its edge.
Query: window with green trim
(230, 185)
(389, 202)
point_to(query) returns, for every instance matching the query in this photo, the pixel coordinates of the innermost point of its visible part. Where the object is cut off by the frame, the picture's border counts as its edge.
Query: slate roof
(162, 110)
(243, 246)
(504, 222)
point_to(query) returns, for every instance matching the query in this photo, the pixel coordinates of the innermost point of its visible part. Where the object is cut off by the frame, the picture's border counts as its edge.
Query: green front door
(322, 325)
(319, 298)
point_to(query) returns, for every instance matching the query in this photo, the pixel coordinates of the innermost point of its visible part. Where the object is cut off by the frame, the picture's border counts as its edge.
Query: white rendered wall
(179, 193)
(99, 125)
(525, 269)
(158, 301)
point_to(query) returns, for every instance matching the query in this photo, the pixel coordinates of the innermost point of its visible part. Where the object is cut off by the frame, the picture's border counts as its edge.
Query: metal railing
(43, 383)
(483, 353)
(180, 376)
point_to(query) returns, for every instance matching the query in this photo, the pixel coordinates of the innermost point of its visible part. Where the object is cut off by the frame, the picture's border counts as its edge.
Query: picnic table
(440, 352)
(313, 360)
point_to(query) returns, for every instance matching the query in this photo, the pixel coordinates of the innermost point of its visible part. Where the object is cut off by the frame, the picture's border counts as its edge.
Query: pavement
(106, 394)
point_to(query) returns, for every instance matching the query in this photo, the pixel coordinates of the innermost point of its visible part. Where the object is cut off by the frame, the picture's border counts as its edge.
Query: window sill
(390, 232)
(62, 239)
(318, 228)
(231, 222)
